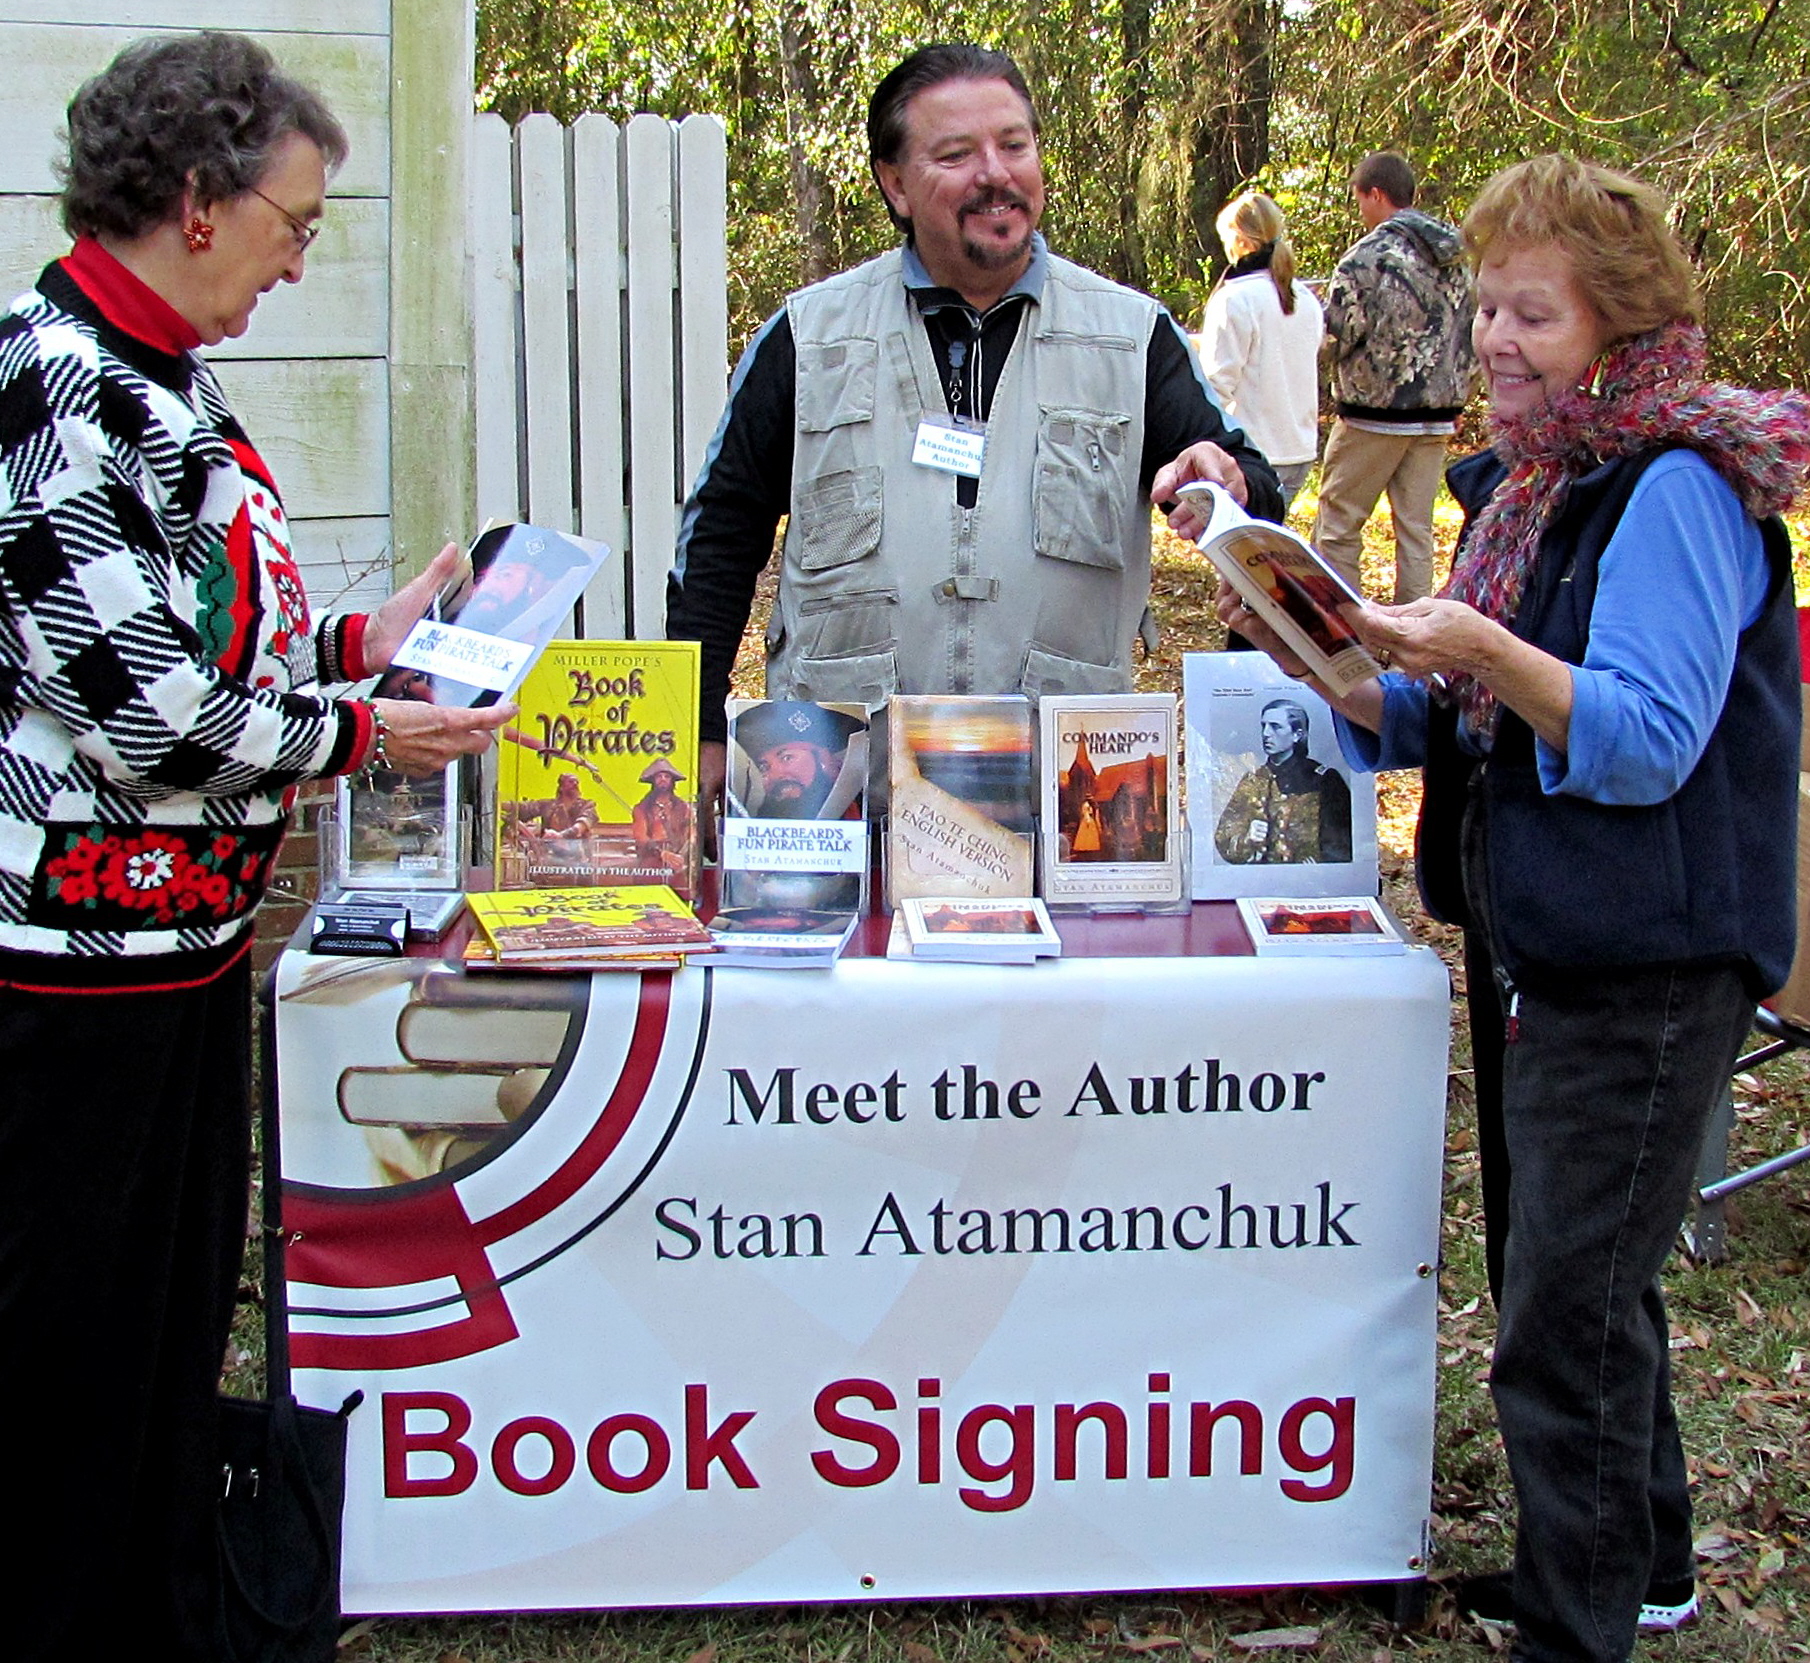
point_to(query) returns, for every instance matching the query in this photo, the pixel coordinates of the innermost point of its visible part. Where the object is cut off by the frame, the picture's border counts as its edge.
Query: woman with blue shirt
(1605, 705)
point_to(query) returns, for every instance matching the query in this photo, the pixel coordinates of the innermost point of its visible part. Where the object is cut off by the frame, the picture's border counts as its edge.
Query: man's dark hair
(1297, 715)
(211, 106)
(1388, 172)
(931, 66)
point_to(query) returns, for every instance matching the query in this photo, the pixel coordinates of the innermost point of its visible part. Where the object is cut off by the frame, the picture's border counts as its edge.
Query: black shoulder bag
(282, 1477)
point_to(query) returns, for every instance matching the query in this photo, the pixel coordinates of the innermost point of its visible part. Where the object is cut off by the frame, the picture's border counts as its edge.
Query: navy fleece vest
(1708, 875)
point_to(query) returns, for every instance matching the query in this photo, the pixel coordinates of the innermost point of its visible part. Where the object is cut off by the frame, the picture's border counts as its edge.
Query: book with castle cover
(574, 925)
(962, 817)
(1111, 808)
(1281, 577)
(597, 775)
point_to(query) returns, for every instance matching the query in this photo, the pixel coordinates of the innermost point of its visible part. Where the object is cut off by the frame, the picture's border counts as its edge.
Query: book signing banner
(725, 1286)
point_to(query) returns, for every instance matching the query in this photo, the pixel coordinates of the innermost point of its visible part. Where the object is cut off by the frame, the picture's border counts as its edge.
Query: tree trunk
(1229, 138)
(812, 191)
(1134, 80)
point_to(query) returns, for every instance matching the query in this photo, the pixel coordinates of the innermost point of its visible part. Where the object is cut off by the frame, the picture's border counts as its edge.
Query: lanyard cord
(958, 354)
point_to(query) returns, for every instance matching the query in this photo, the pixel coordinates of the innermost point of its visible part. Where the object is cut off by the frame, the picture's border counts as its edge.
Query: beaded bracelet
(380, 731)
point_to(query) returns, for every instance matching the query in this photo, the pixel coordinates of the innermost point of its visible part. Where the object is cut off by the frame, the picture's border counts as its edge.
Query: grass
(1742, 1379)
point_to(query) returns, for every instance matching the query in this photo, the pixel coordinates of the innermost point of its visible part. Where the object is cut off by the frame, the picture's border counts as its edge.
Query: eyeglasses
(304, 232)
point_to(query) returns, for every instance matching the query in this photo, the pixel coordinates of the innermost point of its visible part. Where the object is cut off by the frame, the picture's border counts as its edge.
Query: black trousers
(1593, 1093)
(124, 1166)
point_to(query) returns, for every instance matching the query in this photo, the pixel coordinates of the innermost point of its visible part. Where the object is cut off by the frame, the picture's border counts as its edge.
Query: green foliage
(1157, 111)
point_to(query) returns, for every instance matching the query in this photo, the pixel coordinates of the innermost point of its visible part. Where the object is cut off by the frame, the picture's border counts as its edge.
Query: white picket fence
(601, 336)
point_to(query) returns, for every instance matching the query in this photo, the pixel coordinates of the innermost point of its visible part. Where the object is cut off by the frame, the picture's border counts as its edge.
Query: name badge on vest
(951, 444)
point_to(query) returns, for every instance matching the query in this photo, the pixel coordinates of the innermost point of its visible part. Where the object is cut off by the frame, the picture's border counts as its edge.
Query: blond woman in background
(1260, 340)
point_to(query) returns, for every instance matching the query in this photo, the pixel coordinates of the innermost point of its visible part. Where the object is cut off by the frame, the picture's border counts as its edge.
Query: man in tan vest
(963, 435)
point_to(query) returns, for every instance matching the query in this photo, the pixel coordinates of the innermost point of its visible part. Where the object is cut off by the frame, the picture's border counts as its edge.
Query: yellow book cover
(635, 918)
(597, 775)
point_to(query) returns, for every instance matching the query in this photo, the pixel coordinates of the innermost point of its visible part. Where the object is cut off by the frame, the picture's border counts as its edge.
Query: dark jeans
(124, 1158)
(1606, 1093)
(1484, 999)
(1593, 1093)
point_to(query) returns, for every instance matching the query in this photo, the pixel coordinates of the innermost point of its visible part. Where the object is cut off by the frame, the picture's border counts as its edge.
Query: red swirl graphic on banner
(405, 1240)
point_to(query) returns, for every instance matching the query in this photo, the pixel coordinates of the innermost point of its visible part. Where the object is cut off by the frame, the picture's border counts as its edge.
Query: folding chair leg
(1706, 1233)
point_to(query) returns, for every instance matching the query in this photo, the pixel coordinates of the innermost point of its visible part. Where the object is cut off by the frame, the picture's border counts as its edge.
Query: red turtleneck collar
(126, 301)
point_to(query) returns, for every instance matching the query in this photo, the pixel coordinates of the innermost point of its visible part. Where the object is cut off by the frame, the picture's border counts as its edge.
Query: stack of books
(970, 930)
(633, 927)
(1335, 927)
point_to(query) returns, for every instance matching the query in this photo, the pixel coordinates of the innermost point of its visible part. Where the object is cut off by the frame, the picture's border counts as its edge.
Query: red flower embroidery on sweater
(153, 873)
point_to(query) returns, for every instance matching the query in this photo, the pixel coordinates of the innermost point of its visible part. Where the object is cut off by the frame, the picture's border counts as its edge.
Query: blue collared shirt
(1683, 574)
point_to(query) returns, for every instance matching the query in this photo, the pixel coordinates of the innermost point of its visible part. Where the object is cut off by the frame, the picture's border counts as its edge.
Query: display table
(723, 1286)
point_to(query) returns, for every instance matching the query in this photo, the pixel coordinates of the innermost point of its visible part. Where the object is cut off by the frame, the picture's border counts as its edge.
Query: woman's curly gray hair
(208, 109)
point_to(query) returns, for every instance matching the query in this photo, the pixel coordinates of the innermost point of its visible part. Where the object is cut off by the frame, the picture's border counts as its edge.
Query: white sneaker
(1663, 1619)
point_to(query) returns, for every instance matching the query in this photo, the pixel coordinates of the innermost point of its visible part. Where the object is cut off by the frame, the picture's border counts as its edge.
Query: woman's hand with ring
(421, 738)
(1426, 637)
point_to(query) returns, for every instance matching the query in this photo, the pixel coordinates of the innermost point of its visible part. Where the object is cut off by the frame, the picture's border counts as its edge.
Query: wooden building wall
(354, 383)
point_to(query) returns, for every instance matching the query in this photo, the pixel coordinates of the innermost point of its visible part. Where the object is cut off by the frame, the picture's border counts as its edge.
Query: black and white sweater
(152, 627)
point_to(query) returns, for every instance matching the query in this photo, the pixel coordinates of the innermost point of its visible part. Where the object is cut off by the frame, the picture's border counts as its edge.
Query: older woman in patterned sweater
(153, 635)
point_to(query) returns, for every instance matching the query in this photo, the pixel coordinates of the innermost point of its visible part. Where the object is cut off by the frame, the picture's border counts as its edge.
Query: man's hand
(423, 738)
(1202, 461)
(388, 626)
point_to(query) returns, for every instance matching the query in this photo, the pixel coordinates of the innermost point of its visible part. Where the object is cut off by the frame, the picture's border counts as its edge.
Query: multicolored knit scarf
(1645, 394)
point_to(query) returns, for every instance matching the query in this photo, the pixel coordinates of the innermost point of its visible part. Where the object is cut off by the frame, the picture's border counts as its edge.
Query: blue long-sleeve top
(1683, 574)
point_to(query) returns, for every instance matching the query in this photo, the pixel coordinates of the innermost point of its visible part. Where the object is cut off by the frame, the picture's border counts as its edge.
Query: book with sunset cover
(962, 819)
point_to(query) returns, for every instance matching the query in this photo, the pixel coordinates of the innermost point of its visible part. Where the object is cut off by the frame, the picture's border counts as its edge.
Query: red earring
(200, 235)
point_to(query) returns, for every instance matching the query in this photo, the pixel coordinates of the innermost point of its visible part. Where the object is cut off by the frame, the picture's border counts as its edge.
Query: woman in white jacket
(1260, 340)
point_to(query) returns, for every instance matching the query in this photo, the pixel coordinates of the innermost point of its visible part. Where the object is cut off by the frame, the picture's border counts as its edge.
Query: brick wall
(296, 879)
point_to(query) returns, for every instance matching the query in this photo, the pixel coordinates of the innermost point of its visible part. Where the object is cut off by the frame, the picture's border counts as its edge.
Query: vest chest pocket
(1084, 487)
(836, 519)
(835, 383)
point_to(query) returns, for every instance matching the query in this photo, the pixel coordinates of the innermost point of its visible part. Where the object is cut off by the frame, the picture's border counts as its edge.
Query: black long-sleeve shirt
(726, 536)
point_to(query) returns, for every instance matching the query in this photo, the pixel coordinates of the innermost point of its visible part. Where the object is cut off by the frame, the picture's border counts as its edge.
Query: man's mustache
(993, 197)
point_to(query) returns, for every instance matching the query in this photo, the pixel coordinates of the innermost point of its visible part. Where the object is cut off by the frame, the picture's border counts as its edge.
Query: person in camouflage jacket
(1398, 338)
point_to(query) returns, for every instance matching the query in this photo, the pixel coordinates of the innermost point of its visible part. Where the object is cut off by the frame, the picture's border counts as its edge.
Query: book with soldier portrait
(597, 774)
(962, 817)
(1111, 800)
(1273, 806)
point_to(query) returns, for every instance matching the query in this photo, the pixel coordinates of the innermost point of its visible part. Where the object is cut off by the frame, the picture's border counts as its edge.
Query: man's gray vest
(888, 584)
